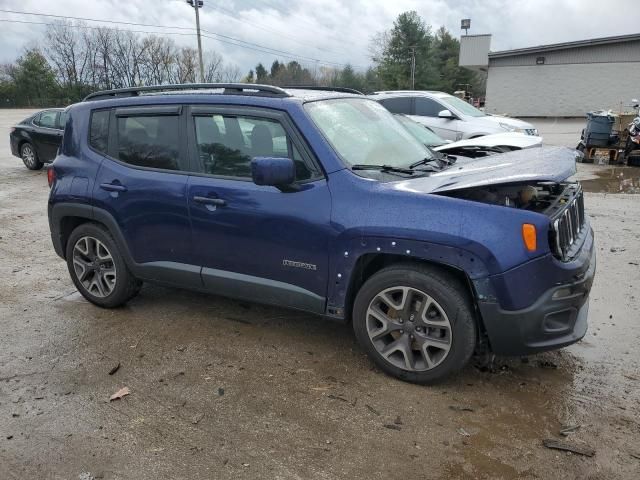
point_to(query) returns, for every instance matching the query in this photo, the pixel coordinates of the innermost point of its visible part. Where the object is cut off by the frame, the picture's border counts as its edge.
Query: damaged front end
(562, 202)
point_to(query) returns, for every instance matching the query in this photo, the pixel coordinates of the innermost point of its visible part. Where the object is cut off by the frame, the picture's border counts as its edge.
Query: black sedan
(36, 139)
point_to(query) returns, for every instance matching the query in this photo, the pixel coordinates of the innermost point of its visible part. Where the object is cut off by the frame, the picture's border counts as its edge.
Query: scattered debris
(547, 364)
(221, 391)
(114, 369)
(119, 394)
(181, 348)
(9, 437)
(567, 447)
(372, 410)
(195, 420)
(337, 397)
(463, 432)
(617, 249)
(392, 426)
(635, 455)
(458, 408)
(569, 429)
(631, 377)
(398, 420)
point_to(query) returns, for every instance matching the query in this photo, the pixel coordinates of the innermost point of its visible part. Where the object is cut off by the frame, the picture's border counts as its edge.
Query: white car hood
(496, 120)
(508, 139)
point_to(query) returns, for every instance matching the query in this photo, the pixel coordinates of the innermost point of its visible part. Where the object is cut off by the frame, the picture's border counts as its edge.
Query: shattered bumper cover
(557, 318)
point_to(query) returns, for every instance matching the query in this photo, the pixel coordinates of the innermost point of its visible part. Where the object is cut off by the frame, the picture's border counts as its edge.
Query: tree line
(76, 59)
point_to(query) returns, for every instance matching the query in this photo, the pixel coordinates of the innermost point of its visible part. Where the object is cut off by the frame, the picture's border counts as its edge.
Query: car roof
(409, 93)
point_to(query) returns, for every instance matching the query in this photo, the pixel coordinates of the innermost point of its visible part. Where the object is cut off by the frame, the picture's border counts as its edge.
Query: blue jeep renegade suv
(321, 201)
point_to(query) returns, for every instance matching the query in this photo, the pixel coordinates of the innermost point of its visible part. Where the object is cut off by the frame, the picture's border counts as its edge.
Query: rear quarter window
(99, 130)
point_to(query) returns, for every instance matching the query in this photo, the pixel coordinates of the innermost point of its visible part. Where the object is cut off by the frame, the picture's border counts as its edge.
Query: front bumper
(556, 319)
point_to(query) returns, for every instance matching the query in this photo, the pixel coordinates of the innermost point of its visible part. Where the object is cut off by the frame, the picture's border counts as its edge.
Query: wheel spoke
(388, 324)
(403, 346)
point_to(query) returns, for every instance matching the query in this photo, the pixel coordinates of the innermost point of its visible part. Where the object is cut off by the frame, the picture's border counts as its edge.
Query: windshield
(422, 133)
(462, 106)
(363, 132)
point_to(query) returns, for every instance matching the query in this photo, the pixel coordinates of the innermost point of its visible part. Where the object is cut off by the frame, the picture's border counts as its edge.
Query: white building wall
(561, 90)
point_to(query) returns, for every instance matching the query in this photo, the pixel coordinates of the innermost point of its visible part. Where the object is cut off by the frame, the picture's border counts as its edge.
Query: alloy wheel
(94, 266)
(408, 328)
(28, 156)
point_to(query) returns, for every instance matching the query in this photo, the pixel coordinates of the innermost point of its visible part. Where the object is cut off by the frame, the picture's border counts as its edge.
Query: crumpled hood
(534, 164)
(507, 139)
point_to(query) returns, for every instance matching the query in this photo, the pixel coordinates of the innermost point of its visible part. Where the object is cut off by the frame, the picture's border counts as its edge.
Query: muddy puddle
(614, 180)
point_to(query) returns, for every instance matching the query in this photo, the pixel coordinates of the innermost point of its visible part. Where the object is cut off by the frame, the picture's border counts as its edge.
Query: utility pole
(197, 5)
(413, 66)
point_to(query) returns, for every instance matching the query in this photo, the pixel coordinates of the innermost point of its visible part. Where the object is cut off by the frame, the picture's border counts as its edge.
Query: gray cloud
(330, 30)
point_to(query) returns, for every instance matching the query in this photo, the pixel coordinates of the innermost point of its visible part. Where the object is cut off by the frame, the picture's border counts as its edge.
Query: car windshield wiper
(428, 161)
(383, 168)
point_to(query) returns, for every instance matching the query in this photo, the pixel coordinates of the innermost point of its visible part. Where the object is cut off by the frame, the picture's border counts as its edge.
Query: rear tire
(415, 322)
(30, 157)
(97, 267)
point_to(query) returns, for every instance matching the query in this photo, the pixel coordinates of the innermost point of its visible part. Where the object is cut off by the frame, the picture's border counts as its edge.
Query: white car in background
(474, 147)
(450, 117)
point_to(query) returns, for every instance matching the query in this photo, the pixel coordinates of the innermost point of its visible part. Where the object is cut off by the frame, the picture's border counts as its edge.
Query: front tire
(97, 267)
(415, 322)
(30, 157)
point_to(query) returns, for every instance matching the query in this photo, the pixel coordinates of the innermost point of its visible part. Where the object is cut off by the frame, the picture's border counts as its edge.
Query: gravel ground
(223, 389)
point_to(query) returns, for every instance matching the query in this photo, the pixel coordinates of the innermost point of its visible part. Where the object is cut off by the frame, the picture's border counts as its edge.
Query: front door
(142, 184)
(426, 112)
(257, 242)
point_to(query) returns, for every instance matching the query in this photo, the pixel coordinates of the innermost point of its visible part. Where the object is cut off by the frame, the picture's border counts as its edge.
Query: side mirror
(273, 171)
(446, 114)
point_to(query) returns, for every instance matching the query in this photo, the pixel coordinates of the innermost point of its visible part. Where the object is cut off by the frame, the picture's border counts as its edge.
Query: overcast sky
(328, 30)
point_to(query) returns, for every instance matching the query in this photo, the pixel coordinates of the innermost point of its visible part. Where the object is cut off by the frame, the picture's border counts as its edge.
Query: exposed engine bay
(543, 197)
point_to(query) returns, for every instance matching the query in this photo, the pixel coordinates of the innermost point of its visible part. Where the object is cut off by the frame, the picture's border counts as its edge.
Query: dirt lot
(222, 389)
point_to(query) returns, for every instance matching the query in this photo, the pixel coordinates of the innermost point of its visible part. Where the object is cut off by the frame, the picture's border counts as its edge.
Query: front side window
(363, 132)
(227, 143)
(426, 107)
(149, 141)
(47, 119)
(99, 130)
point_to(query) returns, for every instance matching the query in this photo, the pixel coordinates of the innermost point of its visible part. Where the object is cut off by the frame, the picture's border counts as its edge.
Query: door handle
(218, 202)
(113, 187)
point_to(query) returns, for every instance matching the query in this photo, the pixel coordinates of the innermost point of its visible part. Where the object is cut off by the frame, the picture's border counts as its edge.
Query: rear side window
(398, 105)
(99, 130)
(46, 119)
(149, 141)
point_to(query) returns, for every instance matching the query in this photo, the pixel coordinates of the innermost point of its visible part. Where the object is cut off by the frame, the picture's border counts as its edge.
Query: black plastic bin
(598, 131)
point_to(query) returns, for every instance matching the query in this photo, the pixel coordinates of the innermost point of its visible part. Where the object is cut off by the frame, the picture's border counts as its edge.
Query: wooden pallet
(601, 154)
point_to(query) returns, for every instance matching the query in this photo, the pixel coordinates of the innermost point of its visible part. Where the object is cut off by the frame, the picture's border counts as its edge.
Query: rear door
(426, 111)
(46, 134)
(142, 184)
(257, 242)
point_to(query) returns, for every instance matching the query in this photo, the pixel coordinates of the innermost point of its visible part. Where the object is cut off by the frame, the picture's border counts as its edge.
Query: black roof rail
(229, 89)
(328, 89)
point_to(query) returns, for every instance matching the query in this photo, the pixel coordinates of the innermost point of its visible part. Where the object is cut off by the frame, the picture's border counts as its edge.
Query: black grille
(568, 226)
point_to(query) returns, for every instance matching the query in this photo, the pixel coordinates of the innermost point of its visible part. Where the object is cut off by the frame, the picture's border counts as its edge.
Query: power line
(229, 14)
(88, 27)
(228, 39)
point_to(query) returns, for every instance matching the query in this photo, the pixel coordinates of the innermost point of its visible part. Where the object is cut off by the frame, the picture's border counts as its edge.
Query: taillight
(13, 129)
(51, 175)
